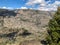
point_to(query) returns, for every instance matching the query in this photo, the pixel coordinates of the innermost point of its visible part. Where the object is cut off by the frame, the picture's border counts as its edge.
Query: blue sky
(12, 3)
(32, 4)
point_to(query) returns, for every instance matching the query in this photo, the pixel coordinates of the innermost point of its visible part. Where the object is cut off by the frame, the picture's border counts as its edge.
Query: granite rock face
(30, 24)
(31, 17)
(32, 20)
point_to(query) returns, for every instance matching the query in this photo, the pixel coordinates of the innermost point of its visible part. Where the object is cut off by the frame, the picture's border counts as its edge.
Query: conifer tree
(53, 37)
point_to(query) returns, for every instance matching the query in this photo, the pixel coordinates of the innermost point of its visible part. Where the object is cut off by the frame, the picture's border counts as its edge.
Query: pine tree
(53, 37)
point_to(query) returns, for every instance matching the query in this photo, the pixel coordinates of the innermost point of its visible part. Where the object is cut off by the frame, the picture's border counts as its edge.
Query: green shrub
(53, 37)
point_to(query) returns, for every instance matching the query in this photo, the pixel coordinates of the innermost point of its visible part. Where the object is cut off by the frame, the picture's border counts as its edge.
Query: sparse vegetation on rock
(18, 26)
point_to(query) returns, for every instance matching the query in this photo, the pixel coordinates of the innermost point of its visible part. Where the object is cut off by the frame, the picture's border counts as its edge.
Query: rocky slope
(17, 26)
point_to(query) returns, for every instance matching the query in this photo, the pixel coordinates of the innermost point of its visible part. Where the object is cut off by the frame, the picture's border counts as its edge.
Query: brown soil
(33, 42)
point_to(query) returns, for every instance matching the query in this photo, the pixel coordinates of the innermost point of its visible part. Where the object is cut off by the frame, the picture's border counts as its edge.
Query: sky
(45, 5)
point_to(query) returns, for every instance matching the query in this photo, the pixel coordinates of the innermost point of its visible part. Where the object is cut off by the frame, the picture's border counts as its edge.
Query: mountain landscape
(24, 26)
(29, 22)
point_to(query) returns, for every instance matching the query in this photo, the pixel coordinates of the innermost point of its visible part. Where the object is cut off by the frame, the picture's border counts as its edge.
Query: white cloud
(6, 7)
(57, 3)
(47, 9)
(23, 8)
(43, 5)
(33, 2)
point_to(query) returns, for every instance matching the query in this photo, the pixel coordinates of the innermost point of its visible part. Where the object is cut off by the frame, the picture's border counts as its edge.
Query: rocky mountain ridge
(24, 24)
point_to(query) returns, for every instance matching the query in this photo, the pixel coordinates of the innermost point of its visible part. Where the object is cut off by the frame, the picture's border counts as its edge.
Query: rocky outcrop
(25, 17)
(32, 20)
(24, 24)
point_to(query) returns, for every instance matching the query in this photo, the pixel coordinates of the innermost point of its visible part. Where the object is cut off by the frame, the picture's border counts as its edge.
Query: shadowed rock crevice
(9, 35)
(25, 33)
(43, 42)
